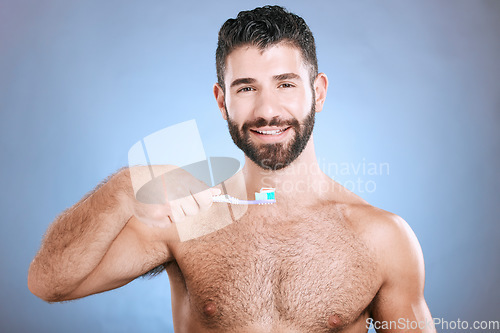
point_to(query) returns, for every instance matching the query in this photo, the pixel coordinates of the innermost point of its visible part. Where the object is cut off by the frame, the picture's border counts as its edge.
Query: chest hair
(296, 268)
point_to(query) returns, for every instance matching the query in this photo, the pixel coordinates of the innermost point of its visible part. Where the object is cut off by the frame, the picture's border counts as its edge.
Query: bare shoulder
(387, 234)
(383, 226)
(396, 246)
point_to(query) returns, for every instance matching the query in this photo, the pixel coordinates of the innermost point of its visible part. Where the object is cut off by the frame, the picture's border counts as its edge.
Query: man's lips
(270, 130)
(271, 135)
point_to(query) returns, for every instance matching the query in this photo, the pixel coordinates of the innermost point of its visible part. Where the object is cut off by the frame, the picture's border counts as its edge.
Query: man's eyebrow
(244, 80)
(286, 76)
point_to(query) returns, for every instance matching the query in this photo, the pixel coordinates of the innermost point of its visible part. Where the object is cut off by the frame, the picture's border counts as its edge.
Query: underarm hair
(154, 272)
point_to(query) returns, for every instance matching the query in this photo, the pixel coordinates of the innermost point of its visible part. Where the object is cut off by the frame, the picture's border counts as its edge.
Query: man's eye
(286, 85)
(245, 89)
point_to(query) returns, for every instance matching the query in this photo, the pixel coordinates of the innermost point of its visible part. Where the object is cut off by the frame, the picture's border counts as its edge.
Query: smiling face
(268, 103)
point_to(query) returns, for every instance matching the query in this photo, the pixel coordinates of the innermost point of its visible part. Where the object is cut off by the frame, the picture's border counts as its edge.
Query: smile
(271, 132)
(270, 135)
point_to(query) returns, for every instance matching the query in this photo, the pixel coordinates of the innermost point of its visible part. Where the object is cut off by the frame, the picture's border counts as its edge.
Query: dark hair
(264, 27)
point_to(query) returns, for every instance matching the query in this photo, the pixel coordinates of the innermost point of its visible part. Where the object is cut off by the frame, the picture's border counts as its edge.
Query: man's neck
(301, 180)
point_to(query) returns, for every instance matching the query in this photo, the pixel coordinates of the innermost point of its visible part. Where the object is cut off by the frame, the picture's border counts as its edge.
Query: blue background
(415, 84)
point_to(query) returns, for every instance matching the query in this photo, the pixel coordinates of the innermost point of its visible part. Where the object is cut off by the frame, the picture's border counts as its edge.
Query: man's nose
(266, 105)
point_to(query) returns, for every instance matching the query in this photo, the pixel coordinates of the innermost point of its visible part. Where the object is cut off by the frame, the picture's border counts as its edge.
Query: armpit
(154, 272)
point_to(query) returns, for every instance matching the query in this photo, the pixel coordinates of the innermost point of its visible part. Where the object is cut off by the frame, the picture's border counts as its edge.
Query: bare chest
(311, 273)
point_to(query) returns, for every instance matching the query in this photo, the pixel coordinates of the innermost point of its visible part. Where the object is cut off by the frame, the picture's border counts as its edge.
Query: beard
(273, 156)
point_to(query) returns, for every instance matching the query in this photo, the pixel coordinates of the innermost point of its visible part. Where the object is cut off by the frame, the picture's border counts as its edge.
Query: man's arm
(97, 245)
(400, 305)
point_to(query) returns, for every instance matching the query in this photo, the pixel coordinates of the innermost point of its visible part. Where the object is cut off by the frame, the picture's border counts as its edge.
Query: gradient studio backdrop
(414, 84)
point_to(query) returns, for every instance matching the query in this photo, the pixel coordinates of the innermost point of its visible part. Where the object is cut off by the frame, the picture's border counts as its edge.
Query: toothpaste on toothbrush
(264, 196)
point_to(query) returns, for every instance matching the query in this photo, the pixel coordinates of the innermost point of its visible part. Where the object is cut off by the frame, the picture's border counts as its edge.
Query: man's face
(269, 104)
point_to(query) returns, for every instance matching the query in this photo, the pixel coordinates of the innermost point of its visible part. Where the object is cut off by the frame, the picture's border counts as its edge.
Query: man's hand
(170, 197)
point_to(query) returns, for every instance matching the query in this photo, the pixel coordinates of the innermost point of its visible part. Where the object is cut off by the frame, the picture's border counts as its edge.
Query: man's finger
(204, 198)
(190, 206)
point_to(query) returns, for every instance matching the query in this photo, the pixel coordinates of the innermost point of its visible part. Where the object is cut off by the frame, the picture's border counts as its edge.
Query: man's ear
(219, 97)
(320, 88)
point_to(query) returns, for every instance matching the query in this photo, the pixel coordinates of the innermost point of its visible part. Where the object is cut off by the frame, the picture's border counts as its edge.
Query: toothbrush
(229, 199)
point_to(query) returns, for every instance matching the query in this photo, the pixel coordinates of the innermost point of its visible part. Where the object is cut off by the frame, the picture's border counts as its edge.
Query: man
(320, 259)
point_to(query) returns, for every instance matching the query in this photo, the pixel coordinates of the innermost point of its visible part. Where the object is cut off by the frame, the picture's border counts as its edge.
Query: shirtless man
(320, 259)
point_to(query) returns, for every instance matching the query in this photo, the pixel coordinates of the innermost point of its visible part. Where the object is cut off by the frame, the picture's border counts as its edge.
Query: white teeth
(275, 132)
